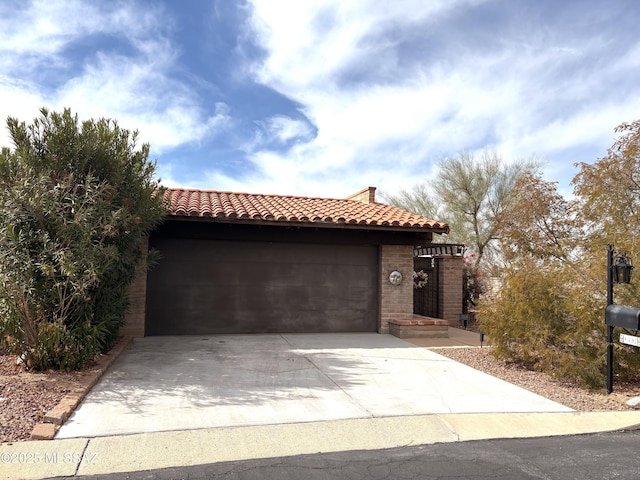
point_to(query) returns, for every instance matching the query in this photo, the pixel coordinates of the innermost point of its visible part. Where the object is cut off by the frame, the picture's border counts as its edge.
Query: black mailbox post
(622, 316)
(617, 315)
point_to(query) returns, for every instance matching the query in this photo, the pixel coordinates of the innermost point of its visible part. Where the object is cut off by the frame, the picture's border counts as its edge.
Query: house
(250, 263)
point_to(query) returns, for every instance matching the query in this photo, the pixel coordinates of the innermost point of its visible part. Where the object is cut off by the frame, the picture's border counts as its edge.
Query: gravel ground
(25, 397)
(542, 384)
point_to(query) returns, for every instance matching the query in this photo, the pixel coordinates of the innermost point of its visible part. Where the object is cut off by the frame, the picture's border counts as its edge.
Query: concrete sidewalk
(130, 453)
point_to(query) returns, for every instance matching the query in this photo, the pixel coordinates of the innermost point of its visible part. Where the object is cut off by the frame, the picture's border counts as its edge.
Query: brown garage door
(209, 287)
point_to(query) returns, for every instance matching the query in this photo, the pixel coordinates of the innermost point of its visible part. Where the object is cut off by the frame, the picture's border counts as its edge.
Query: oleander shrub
(76, 199)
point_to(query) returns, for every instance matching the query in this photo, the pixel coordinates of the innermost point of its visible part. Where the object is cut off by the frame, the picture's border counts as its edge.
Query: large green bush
(76, 199)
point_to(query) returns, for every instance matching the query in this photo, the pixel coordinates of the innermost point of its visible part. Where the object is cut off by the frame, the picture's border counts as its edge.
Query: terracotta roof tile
(229, 206)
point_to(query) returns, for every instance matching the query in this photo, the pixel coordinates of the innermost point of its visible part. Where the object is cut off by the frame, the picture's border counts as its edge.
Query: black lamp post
(618, 272)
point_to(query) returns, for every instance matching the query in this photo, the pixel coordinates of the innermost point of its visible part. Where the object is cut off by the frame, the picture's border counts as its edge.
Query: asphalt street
(584, 457)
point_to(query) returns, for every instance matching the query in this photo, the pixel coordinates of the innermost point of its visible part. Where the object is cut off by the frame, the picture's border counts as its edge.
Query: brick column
(450, 289)
(134, 319)
(396, 301)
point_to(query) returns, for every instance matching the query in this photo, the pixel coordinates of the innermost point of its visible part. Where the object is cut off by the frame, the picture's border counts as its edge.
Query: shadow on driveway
(187, 382)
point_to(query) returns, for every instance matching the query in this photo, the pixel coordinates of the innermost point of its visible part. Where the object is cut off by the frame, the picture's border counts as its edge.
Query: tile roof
(249, 208)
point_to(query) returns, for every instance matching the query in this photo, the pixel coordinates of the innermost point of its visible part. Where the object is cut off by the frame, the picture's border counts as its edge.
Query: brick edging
(55, 417)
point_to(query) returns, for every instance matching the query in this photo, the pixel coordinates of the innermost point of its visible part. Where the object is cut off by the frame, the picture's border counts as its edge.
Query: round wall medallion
(395, 278)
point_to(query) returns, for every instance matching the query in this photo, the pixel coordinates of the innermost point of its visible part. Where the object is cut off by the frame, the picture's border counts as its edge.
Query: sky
(326, 97)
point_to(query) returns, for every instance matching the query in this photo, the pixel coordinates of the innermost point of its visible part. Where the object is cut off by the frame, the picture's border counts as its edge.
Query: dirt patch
(26, 397)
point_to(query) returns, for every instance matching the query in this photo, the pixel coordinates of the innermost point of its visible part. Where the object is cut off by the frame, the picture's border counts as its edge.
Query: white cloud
(16, 96)
(521, 90)
(43, 27)
(276, 132)
(312, 41)
(285, 129)
(387, 88)
(138, 89)
(140, 95)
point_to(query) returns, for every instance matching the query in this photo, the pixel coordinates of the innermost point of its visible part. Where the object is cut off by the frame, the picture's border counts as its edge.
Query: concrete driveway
(191, 382)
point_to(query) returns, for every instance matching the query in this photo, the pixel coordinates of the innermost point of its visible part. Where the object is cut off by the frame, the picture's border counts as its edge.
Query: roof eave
(310, 224)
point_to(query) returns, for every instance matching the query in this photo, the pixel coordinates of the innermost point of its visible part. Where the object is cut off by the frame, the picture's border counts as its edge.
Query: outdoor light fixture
(622, 268)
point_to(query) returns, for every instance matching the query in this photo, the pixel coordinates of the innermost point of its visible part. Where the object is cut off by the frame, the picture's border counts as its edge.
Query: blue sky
(325, 97)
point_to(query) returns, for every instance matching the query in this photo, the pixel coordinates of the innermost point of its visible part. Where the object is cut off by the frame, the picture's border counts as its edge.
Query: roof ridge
(227, 192)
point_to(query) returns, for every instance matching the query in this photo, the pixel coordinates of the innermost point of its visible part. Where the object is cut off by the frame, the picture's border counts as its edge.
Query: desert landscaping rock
(32, 396)
(571, 395)
(634, 403)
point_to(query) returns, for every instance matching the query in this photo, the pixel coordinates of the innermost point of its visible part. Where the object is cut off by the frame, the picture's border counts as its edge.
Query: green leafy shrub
(75, 202)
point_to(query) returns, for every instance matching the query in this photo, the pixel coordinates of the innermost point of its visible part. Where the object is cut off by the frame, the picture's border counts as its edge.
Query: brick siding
(451, 289)
(396, 301)
(134, 320)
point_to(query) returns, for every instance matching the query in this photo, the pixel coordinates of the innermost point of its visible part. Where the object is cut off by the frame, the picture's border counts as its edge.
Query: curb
(54, 418)
(122, 454)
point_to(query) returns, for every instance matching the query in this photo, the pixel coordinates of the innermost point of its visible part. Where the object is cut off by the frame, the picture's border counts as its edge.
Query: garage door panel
(208, 287)
(227, 273)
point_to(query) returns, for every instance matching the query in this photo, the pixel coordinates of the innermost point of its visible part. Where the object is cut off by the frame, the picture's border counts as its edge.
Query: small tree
(527, 319)
(75, 202)
(550, 313)
(609, 189)
(469, 192)
(608, 201)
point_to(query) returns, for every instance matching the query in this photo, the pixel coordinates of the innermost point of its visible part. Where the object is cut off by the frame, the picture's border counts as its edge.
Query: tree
(539, 317)
(469, 192)
(608, 193)
(419, 199)
(527, 319)
(543, 320)
(75, 202)
(550, 313)
(539, 222)
(608, 200)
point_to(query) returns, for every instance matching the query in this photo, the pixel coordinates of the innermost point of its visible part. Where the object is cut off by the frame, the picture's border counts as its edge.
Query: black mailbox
(622, 316)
